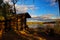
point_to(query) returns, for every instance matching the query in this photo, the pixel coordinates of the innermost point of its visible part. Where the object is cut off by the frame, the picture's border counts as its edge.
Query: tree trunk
(14, 9)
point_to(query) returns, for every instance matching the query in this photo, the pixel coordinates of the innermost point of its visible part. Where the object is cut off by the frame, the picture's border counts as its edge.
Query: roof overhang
(25, 14)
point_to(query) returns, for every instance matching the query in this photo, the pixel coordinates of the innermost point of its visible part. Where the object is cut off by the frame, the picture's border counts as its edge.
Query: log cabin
(18, 22)
(15, 22)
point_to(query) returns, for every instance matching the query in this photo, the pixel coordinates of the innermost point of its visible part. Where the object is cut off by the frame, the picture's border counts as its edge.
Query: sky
(40, 8)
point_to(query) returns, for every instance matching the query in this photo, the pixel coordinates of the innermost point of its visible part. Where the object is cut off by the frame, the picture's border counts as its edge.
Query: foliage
(57, 26)
(1, 18)
(1, 1)
(6, 10)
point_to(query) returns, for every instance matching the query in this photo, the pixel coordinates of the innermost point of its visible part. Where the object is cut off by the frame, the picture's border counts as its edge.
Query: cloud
(45, 16)
(21, 8)
(32, 15)
(32, 7)
(52, 2)
(24, 8)
(48, 16)
(6, 1)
